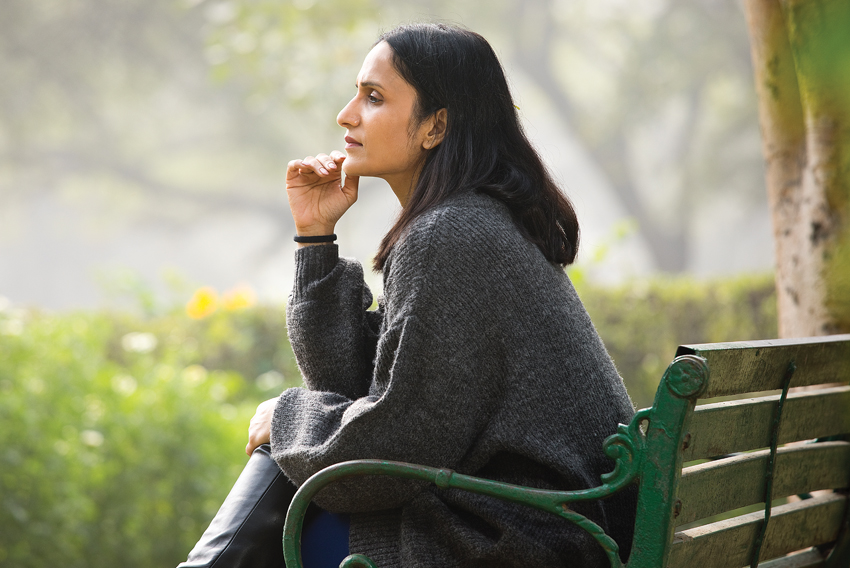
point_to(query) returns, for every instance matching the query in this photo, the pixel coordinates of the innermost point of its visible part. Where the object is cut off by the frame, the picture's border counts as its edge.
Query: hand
(317, 198)
(259, 431)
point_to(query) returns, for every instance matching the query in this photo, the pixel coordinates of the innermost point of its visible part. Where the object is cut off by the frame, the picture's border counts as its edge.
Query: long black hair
(484, 148)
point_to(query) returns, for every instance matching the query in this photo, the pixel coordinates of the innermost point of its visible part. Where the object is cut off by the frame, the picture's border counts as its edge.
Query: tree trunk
(802, 72)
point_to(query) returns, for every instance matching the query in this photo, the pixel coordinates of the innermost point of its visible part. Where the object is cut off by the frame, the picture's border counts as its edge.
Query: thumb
(351, 186)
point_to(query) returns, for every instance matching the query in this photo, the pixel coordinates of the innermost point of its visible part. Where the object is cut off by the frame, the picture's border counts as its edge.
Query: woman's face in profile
(379, 141)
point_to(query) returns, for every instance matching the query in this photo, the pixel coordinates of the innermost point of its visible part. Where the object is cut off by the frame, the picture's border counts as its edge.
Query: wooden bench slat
(729, 543)
(807, 559)
(754, 366)
(746, 423)
(724, 485)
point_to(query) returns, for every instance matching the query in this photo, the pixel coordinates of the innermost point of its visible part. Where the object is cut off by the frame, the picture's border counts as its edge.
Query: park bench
(785, 454)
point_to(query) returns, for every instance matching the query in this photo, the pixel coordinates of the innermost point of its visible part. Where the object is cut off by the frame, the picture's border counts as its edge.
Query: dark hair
(484, 148)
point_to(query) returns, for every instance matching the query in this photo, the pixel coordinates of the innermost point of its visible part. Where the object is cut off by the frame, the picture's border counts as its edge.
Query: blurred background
(146, 244)
(145, 141)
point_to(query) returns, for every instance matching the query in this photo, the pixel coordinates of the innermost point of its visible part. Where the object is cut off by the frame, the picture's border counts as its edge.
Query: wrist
(314, 230)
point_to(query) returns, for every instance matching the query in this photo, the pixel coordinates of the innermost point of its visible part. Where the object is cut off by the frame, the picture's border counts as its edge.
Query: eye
(374, 98)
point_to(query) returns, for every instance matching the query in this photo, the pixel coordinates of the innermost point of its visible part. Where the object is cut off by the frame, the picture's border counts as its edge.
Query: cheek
(398, 143)
(387, 144)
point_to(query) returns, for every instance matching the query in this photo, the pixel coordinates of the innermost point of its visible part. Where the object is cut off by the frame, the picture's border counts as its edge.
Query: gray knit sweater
(479, 358)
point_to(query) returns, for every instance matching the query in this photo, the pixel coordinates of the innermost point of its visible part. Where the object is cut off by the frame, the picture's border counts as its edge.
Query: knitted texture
(480, 358)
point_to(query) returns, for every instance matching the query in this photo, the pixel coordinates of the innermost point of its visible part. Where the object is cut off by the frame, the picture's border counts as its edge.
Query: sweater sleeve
(332, 332)
(430, 397)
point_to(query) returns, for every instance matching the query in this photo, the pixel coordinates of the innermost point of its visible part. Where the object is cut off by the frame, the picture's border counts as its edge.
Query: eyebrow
(369, 84)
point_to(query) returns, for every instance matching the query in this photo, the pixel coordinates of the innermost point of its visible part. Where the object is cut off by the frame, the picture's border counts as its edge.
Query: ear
(436, 129)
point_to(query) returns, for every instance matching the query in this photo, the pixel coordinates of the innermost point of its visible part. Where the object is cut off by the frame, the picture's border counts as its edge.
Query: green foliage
(643, 322)
(122, 436)
(123, 433)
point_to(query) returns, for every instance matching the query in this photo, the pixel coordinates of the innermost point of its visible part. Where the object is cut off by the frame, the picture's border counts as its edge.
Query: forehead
(378, 68)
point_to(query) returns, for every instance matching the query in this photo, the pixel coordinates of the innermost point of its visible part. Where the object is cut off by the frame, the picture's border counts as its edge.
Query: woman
(480, 356)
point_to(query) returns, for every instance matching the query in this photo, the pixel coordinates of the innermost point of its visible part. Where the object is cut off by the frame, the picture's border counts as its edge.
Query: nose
(348, 117)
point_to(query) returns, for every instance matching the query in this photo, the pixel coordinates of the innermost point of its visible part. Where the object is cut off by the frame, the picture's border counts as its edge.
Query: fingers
(259, 430)
(255, 439)
(314, 170)
(322, 165)
(253, 442)
(316, 164)
(293, 169)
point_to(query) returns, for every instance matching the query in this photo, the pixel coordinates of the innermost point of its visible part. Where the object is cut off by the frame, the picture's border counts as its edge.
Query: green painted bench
(775, 467)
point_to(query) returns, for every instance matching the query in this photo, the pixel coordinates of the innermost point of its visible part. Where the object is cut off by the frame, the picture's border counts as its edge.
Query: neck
(402, 185)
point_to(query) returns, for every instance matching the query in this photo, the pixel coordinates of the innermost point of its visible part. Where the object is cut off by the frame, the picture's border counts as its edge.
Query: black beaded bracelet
(315, 239)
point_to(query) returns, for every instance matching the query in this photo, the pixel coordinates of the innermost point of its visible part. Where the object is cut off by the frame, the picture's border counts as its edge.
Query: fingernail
(332, 165)
(323, 170)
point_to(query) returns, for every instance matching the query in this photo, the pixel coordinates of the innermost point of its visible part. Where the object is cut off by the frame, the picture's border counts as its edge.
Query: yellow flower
(202, 303)
(240, 297)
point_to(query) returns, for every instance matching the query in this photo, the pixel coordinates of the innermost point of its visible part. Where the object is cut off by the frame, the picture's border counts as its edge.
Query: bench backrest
(718, 459)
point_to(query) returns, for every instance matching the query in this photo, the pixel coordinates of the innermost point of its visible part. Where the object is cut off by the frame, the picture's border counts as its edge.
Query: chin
(350, 168)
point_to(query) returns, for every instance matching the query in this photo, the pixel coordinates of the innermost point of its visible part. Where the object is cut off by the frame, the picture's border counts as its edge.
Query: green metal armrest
(621, 446)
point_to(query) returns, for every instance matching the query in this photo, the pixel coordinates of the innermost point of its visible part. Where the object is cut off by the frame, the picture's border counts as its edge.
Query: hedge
(644, 321)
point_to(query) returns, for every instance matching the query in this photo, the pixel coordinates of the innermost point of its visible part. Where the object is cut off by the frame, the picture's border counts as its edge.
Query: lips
(352, 143)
